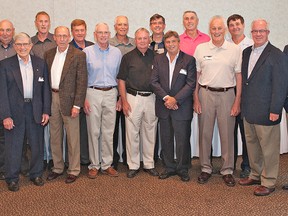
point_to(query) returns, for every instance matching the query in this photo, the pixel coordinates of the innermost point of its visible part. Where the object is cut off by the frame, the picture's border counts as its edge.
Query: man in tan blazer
(68, 80)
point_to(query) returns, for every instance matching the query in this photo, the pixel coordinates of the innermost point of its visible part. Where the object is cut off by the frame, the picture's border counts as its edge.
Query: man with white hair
(218, 73)
(265, 78)
(103, 61)
(125, 43)
(25, 108)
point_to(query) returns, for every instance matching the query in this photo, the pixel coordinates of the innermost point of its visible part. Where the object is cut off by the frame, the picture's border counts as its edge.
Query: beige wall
(62, 12)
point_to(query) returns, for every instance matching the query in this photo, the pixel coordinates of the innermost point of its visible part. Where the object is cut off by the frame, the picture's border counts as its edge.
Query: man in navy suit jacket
(25, 108)
(173, 81)
(264, 89)
(285, 187)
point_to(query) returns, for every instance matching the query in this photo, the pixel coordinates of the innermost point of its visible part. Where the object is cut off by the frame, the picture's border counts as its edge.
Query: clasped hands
(170, 103)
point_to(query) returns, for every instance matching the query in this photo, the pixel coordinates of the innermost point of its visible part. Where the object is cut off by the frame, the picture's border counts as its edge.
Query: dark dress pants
(182, 131)
(245, 160)
(120, 118)
(84, 149)
(2, 148)
(14, 145)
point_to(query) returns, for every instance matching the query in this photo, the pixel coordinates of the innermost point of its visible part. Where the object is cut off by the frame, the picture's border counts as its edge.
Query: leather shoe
(110, 172)
(263, 191)
(38, 181)
(53, 175)
(152, 172)
(203, 178)
(70, 179)
(248, 181)
(132, 173)
(229, 180)
(184, 176)
(166, 174)
(13, 186)
(2, 176)
(285, 187)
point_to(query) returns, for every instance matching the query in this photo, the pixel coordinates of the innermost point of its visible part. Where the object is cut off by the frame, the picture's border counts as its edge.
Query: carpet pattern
(144, 195)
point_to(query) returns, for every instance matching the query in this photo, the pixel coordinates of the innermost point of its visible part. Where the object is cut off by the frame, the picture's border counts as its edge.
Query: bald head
(6, 32)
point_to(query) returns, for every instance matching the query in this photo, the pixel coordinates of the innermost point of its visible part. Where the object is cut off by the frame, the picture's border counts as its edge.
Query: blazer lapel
(178, 67)
(35, 68)
(17, 74)
(260, 61)
(68, 61)
(245, 63)
(49, 60)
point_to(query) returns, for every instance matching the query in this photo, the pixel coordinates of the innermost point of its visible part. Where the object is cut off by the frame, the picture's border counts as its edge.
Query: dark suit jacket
(73, 82)
(286, 101)
(11, 94)
(182, 86)
(264, 92)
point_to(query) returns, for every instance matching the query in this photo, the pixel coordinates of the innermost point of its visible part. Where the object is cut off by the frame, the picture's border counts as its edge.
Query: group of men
(86, 91)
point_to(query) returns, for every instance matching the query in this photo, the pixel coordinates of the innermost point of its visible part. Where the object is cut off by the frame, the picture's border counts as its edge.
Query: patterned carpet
(144, 195)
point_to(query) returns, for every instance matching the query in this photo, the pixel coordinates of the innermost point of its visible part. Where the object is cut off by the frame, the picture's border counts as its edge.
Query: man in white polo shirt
(218, 69)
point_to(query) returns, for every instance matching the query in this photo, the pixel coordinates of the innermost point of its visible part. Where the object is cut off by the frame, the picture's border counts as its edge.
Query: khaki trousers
(216, 105)
(71, 126)
(101, 123)
(141, 128)
(263, 145)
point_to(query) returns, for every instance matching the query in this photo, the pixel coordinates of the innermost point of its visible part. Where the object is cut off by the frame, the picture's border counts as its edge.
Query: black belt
(141, 93)
(102, 89)
(216, 89)
(55, 90)
(27, 100)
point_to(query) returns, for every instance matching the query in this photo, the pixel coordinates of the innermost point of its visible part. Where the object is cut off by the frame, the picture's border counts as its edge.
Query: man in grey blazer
(25, 108)
(173, 81)
(68, 78)
(264, 89)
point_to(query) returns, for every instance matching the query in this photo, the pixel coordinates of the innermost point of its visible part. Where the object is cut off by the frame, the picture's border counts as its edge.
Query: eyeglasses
(22, 44)
(105, 33)
(62, 36)
(261, 31)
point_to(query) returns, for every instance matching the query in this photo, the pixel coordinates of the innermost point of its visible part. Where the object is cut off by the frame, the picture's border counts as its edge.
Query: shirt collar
(140, 53)
(176, 57)
(10, 44)
(259, 49)
(21, 60)
(223, 46)
(98, 47)
(49, 37)
(130, 40)
(64, 52)
(199, 34)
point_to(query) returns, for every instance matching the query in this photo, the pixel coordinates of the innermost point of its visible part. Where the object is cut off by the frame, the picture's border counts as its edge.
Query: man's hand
(45, 119)
(235, 110)
(273, 117)
(170, 102)
(86, 107)
(126, 108)
(119, 104)
(197, 106)
(74, 112)
(8, 123)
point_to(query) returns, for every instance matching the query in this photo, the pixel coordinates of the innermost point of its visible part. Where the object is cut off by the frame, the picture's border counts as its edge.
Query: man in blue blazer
(285, 187)
(25, 108)
(264, 89)
(173, 81)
